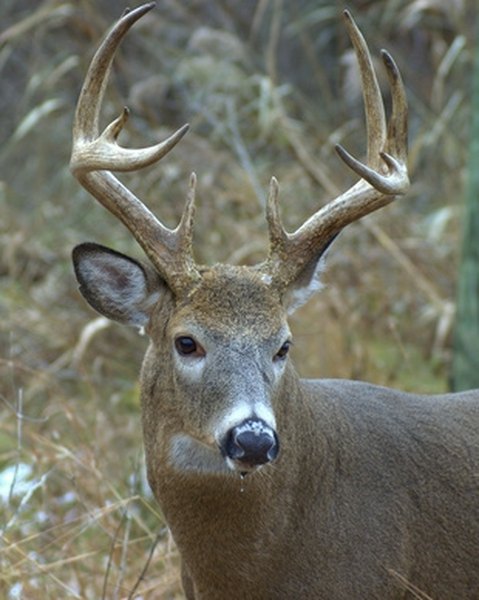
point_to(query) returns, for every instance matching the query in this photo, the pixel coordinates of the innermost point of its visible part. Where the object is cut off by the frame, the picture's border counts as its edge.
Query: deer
(272, 486)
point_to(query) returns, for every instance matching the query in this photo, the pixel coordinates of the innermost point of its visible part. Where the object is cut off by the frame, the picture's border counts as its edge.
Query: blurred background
(268, 87)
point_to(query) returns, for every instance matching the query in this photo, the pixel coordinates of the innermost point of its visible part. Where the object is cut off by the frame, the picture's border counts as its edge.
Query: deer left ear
(304, 286)
(116, 285)
(308, 281)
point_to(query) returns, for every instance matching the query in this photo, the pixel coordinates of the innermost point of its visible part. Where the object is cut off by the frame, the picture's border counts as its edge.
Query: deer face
(216, 359)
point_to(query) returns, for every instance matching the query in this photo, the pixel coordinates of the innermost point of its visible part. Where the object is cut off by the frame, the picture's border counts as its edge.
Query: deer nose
(252, 443)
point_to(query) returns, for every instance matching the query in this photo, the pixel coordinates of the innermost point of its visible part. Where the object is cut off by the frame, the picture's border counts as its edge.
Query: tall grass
(269, 87)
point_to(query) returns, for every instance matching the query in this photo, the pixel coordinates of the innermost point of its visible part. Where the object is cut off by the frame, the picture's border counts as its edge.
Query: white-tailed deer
(351, 491)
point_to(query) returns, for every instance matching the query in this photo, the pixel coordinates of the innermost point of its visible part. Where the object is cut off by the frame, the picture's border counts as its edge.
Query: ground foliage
(269, 87)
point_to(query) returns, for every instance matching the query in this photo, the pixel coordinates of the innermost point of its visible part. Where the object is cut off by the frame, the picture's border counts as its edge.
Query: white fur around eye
(190, 370)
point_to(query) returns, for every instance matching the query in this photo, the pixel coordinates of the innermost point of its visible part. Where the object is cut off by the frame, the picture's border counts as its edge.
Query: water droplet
(242, 476)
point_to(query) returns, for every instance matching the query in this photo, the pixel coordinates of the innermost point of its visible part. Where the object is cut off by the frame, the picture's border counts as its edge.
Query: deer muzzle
(250, 444)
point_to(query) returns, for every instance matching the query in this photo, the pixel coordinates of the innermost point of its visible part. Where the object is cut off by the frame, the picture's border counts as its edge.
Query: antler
(382, 178)
(95, 154)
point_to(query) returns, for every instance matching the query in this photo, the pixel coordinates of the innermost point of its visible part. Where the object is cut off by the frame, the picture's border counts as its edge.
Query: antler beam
(382, 178)
(94, 155)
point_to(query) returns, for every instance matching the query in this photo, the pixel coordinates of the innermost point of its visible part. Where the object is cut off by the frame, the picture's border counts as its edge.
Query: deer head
(213, 379)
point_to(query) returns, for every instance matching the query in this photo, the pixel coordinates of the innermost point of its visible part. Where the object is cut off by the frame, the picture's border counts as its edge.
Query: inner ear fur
(115, 285)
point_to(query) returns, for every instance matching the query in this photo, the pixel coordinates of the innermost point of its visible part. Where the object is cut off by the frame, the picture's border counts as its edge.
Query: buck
(276, 487)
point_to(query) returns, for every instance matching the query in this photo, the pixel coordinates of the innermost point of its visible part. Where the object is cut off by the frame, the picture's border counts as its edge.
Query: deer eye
(187, 346)
(283, 351)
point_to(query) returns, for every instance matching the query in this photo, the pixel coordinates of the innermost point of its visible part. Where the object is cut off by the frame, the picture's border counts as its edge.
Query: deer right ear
(116, 285)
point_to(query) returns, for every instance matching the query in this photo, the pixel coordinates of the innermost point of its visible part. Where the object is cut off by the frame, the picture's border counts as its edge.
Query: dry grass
(268, 89)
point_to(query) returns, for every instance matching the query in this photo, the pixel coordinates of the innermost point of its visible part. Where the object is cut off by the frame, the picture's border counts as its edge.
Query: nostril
(256, 447)
(253, 442)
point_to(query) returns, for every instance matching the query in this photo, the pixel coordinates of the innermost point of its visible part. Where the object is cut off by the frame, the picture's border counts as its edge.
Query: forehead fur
(231, 298)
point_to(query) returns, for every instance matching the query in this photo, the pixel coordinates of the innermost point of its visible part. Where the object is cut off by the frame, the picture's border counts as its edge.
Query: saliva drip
(242, 477)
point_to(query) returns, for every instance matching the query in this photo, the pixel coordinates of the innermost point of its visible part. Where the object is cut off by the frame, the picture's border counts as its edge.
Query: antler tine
(373, 103)
(95, 154)
(382, 178)
(89, 104)
(397, 131)
(277, 233)
(185, 228)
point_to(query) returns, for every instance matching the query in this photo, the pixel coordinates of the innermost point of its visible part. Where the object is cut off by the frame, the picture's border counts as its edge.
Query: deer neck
(209, 512)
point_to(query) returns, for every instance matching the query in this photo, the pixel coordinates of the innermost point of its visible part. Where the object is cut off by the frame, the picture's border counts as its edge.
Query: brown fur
(372, 487)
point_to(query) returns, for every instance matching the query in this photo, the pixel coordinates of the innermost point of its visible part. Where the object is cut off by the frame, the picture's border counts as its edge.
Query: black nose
(252, 443)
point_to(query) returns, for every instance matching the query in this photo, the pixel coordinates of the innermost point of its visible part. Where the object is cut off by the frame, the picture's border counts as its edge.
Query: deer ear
(304, 286)
(308, 281)
(116, 285)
